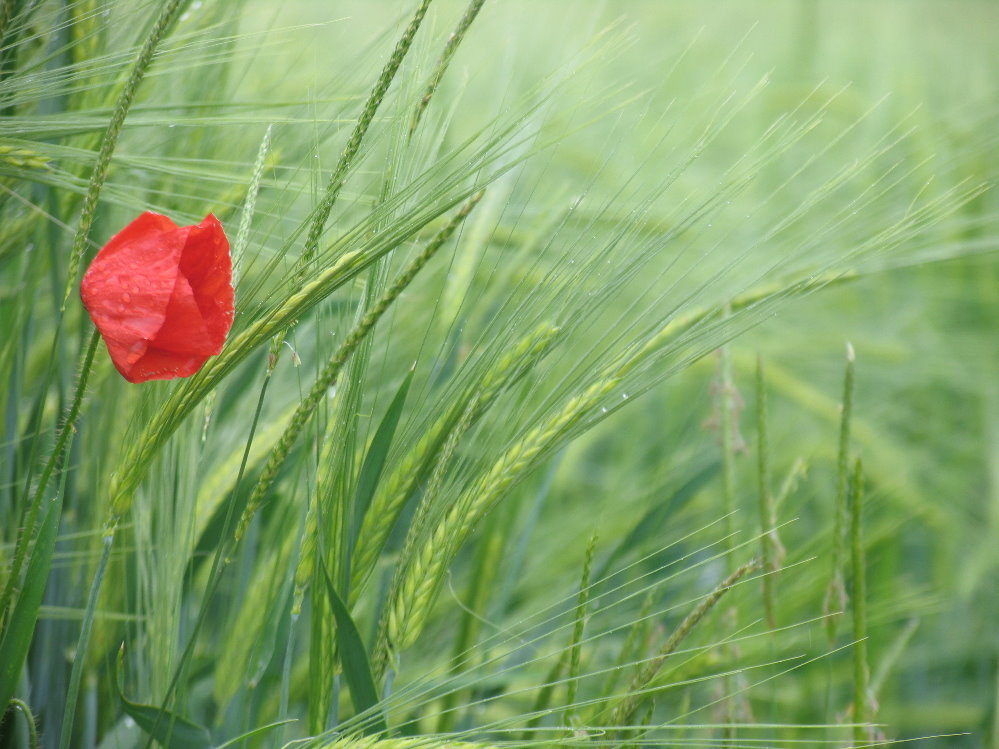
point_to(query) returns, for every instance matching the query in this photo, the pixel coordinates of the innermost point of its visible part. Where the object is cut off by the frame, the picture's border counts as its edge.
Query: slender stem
(859, 608)
(727, 413)
(835, 601)
(768, 512)
(576, 648)
(80, 657)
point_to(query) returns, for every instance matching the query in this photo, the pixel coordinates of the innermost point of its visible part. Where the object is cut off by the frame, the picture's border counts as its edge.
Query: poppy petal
(184, 330)
(207, 265)
(161, 296)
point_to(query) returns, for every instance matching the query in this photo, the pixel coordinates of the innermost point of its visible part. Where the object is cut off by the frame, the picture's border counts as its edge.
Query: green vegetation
(563, 330)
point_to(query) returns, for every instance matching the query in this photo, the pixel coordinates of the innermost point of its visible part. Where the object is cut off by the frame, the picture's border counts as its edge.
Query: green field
(615, 373)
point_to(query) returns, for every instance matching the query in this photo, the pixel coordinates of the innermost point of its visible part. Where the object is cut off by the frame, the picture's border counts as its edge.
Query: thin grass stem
(453, 41)
(770, 546)
(80, 655)
(836, 599)
(860, 671)
(576, 646)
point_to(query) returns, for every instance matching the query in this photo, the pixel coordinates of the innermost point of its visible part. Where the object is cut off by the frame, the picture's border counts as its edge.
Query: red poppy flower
(161, 296)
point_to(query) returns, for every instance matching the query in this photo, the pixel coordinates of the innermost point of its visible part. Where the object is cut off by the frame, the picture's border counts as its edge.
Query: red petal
(156, 364)
(184, 330)
(127, 287)
(206, 264)
(161, 296)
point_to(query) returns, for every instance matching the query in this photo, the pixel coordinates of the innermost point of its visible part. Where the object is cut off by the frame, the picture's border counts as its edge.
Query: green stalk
(835, 600)
(770, 545)
(29, 718)
(80, 656)
(576, 647)
(859, 608)
(728, 426)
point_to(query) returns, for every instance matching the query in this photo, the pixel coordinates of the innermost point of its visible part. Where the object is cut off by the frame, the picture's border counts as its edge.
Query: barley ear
(450, 48)
(328, 376)
(626, 708)
(339, 177)
(414, 468)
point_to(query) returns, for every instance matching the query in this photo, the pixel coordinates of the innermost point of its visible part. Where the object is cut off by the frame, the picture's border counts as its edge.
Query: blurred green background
(897, 104)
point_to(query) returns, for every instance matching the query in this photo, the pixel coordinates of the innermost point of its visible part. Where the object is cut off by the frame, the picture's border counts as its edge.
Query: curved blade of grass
(354, 659)
(175, 732)
(374, 463)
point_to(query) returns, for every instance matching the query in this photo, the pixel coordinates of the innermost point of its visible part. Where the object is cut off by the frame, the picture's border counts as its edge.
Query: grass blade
(374, 462)
(354, 659)
(170, 729)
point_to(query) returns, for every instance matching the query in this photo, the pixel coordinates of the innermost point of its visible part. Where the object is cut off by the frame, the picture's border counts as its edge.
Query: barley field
(499, 373)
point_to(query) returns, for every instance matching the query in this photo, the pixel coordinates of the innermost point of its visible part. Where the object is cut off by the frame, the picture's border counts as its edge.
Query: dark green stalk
(339, 177)
(835, 601)
(859, 607)
(544, 698)
(450, 48)
(110, 141)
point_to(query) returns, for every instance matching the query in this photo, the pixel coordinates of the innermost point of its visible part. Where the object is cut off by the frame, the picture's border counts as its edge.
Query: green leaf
(374, 461)
(21, 627)
(170, 729)
(354, 659)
